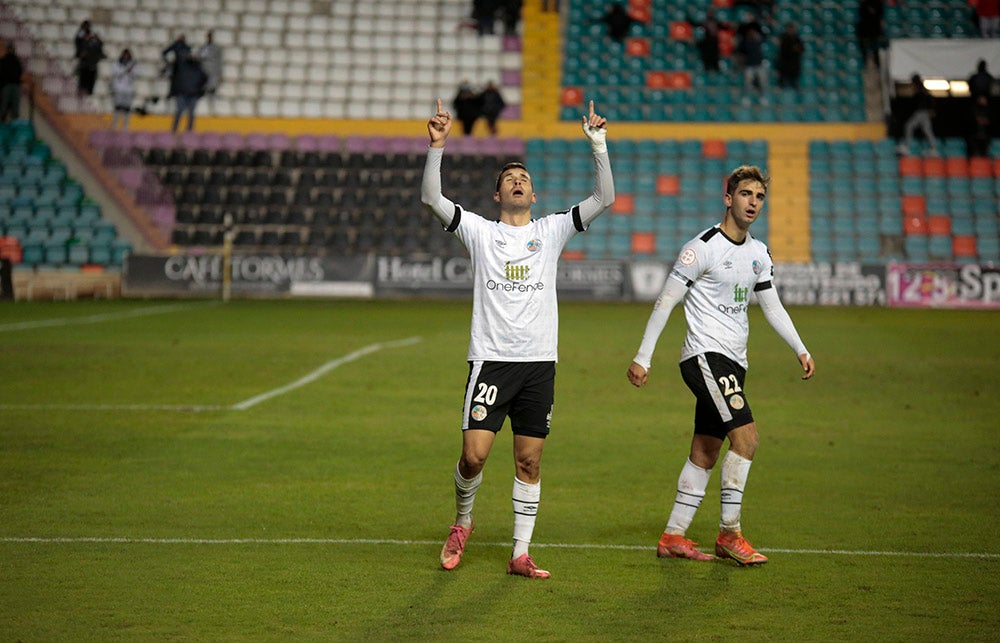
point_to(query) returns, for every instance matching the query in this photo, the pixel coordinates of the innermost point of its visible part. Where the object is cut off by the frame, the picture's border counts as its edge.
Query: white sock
(465, 497)
(690, 492)
(525, 498)
(735, 469)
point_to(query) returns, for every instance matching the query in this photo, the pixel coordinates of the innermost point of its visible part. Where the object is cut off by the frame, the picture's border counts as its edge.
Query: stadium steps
(542, 57)
(788, 209)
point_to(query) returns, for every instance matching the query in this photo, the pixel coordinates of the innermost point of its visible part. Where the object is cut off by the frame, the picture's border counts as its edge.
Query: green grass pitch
(281, 470)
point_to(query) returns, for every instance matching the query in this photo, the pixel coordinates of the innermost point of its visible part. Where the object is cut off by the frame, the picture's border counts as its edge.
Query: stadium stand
(46, 211)
(282, 58)
(867, 204)
(293, 62)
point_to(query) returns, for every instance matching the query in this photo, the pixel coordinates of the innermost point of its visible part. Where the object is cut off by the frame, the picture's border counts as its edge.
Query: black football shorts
(523, 391)
(717, 384)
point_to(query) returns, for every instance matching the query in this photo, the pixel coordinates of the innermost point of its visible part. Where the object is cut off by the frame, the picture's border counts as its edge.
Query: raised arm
(595, 127)
(438, 127)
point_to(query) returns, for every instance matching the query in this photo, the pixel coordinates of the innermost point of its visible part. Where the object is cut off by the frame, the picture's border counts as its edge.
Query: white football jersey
(515, 316)
(720, 274)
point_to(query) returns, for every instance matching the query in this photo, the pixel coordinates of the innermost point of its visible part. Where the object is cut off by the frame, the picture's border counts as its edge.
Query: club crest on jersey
(688, 257)
(534, 245)
(478, 413)
(756, 267)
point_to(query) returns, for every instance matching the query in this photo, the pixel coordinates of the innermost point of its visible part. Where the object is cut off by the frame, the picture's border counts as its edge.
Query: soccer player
(514, 331)
(713, 276)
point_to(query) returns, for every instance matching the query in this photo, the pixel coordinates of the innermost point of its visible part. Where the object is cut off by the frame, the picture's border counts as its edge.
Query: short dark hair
(509, 166)
(746, 173)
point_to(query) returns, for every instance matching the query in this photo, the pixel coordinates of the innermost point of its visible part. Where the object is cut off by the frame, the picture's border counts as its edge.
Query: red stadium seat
(643, 243)
(956, 166)
(657, 80)
(668, 185)
(624, 204)
(680, 30)
(637, 47)
(642, 13)
(713, 149)
(915, 225)
(980, 167)
(933, 166)
(727, 42)
(10, 248)
(679, 80)
(572, 96)
(964, 245)
(910, 166)
(939, 225)
(914, 205)
(573, 255)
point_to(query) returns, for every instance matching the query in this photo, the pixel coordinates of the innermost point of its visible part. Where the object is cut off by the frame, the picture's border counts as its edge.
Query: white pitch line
(193, 408)
(322, 370)
(94, 319)
(241, 406)
(422, 543)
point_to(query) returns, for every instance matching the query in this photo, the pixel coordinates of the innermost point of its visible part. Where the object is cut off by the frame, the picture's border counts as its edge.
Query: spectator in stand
(511, 16)
(484, 14)
(923, 112)
(11, 72)
(619, 21)
(981, 120)
(869, 29)
(89, 52)
(708, 44)
(980, 137)
(189, 86)
(178, 50)
(763, 8)
(981, 82)
(468, 107)
(751, 50)
(492, 105)
(123, 75)
(988, 13)
(790, 50)
(210, 57)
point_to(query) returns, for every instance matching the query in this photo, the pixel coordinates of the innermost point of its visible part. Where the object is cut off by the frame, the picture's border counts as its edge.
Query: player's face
(515, 188)
(746, 203)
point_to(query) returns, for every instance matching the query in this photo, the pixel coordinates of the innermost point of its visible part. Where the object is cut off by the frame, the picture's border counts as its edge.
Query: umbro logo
(500, 242)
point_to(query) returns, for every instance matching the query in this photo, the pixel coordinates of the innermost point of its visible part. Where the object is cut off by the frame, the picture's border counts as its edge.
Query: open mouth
(517, 192)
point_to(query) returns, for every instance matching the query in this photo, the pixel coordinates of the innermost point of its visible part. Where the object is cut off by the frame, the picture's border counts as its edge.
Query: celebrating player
(514, 330)
(714, 275)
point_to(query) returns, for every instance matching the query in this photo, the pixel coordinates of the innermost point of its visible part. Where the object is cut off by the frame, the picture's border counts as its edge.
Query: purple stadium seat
(307, 143)
(328, 143)
(142, 139)
(189, 140)
(278, 141)
(257, 141)
(233, 141)
(164, 140)
(211, 140)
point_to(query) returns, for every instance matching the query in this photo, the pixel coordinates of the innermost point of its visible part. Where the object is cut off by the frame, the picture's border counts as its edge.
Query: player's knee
(528, 468)
(743, 440)
(471, 464)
